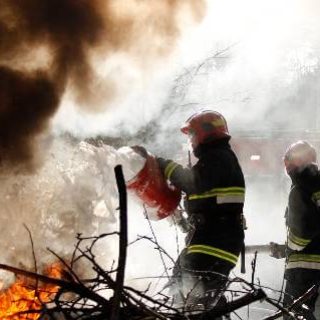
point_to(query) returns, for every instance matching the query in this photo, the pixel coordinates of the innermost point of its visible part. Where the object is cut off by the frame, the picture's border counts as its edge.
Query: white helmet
(299, 155)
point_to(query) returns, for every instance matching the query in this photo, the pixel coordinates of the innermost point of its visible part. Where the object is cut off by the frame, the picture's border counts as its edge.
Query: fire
(26, 295)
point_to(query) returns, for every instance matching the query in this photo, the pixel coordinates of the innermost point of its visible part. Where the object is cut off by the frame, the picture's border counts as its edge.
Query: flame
(26, 295)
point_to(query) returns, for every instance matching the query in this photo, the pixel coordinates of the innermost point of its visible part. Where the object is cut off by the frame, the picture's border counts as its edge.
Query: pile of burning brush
(59, 293)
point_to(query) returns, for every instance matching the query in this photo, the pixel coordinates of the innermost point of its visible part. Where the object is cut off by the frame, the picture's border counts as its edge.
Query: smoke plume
(51, 47)
(26, 103)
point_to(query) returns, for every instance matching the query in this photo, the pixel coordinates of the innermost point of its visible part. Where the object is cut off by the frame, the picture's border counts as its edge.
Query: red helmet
(299, 155)
(205, 126)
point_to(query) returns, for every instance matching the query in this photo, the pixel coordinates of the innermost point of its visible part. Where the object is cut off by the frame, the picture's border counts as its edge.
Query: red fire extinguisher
(152, 188)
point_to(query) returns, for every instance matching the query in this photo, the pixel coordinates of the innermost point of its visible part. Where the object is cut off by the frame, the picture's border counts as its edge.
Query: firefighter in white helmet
(215, 191)
(303, 223)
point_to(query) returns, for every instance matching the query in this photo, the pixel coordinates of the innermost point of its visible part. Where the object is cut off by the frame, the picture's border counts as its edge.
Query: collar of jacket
(306, 176)
(201, 149)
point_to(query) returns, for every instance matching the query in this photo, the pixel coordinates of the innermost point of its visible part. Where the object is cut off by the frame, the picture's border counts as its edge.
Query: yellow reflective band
(304, 257)
(298, 241)
(169, 169)
(230, 191)
(315, 196)
(212, 251)
(294, 246)
(304, 265)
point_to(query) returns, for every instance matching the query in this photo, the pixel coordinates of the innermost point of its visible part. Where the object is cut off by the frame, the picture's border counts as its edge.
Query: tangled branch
(105, 296)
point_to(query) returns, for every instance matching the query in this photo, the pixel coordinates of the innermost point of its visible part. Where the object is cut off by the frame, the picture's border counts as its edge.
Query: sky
(134, 71)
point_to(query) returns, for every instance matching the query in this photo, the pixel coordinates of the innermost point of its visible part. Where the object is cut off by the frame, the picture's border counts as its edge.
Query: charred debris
(77, 298)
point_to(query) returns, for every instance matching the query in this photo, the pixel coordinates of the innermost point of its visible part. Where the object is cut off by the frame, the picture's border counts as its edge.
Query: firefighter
(214, 197)
(302, 269)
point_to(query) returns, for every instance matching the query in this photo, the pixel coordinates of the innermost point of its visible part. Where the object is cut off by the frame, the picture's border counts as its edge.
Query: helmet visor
(185, 129)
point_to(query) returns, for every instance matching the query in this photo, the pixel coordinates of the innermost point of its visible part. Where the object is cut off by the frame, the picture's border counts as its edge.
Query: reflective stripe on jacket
(223, 195)
(303, 220)
(215, 195)
(296, 243)
(306, 261)
(212, 251)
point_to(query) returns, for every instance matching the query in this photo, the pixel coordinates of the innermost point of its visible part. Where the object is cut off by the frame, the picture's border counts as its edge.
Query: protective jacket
(303, 219)
(215, 191)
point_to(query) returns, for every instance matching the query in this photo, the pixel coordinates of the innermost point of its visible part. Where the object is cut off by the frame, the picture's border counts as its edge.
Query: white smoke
(267, 46)
(75, 192)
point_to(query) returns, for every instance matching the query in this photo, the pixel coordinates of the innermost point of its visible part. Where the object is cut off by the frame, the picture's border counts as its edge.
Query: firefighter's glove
(140, 150)
(277, 251)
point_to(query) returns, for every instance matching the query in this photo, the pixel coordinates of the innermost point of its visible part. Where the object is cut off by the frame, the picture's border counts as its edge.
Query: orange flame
(25, 295)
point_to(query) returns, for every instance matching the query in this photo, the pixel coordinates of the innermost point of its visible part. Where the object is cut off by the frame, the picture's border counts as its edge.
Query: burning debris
(24, 299)
(66, 295)
(73, 192)
(86, 301)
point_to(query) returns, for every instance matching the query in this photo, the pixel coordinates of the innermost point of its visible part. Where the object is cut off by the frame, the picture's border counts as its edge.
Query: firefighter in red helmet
(303, 223)
(214, 197)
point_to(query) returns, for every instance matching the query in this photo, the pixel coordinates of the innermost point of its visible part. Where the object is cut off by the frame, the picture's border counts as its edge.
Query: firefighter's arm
(182, 178)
